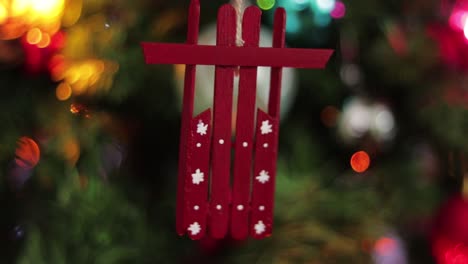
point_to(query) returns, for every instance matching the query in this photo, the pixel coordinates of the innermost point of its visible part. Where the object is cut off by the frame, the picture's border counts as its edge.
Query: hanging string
(239, 6)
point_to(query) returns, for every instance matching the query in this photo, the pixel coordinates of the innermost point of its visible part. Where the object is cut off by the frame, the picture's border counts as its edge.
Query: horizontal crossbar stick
(159, 53)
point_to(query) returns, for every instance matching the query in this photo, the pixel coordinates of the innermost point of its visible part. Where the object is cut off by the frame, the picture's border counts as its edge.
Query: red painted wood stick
(160, 53)
(267, 144)
(279, 38)
(187, 113)
(245, 130)
(196, 186)
(221, 153)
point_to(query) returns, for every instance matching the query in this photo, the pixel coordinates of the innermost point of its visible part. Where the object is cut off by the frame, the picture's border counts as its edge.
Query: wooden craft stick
(221, 153)
(161, 53)
(245, 130)
(267, 145)
(196, 187)
(187, 113)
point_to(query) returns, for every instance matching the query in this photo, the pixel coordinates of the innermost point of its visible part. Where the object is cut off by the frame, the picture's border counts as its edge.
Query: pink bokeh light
(339, 11)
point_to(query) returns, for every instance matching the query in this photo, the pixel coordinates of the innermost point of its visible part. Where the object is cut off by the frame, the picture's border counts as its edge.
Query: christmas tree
(372, 152)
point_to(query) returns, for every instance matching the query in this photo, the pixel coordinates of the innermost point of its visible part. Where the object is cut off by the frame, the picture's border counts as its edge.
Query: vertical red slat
(266, 149)
(263, 187)
(279, 36)
(187, 113)
(196, 187)
(245, 130)
(221, 154)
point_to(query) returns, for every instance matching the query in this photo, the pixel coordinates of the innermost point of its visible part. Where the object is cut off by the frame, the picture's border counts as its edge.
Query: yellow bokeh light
(3, 14)
(20, 7)
(71, 151)
(63, 91)
(86, 70)
(72, 13)
(45, 41)
(80, 86)
(47, 8)
(34, 36)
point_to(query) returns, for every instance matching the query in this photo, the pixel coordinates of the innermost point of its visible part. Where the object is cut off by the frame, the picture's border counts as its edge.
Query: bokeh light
(360, 161)
(322, 20)
(27, 153)
(71, 150)
(385, 245)
(45, 41)
(19, 7)
(3, 13)
(47, 8)
(296, 5)
(293, 23)
(325, 6)
(63, 91)
(339, 11)
(458, 19)
(465, 29)
(34, 36)
(384, 122)
(266, 4)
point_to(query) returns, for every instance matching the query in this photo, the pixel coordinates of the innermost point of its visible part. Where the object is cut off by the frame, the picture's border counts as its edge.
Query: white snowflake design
(259, 227)
(263, 177)
(266, 127)
(194, 228)
(202, 128)
(198, 177)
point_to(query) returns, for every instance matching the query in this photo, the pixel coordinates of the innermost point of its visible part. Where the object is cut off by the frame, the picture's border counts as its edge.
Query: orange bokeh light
(385, 246)
(34, 36)
(27, 153)
(63, 91)
(360, 161)
(45, 41)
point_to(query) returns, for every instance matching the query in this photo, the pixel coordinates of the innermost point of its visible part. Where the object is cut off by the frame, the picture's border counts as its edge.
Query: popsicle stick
(245, 130)
(187, 113)
(196, 187)
(279, 37)
(163, 53)
(267, 144)
(263, 187)
(221, 153)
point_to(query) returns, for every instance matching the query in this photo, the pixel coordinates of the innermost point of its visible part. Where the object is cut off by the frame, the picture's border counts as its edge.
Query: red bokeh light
(360, 161)
(27, 153)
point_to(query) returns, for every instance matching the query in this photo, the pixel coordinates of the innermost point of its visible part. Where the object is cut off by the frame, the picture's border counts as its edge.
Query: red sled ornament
(206, 201)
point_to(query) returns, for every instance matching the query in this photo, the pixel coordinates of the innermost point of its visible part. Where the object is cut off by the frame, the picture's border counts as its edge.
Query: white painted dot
(265, 145)
(240, 207)
(198, 145)
(219, 207)
(261, 208)
(196, 207)
(245, 144)
(221, 141)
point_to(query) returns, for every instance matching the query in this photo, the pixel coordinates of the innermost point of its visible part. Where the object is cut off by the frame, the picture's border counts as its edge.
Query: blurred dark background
(89, 134)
